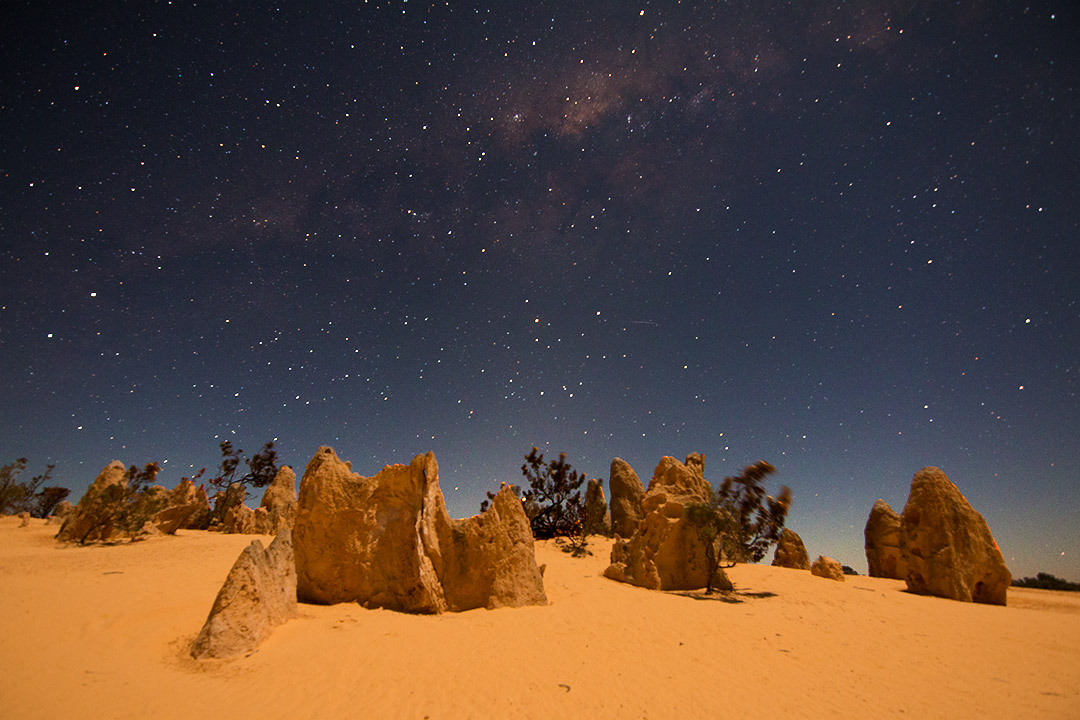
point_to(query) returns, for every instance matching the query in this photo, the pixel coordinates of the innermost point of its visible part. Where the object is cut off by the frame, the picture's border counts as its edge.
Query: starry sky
(842, 237)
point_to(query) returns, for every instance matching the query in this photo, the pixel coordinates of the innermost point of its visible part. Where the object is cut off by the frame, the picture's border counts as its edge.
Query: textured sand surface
(103, 632)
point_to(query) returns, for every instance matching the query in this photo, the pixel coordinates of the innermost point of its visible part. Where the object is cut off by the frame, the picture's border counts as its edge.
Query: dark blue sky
(840, 239)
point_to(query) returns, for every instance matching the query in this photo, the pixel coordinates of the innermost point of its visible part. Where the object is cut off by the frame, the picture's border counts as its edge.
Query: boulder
(790, 551)
(277, 510)
(626, 495)
(62, 509)
(597, 519)
(24, 519)
(91, 520)
(258, 594)
(827, 568)
(882, 543)
(388, 541)
(666, 552)
(947, 544)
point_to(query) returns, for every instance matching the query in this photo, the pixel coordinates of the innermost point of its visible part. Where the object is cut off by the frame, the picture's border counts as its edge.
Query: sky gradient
(845, 240)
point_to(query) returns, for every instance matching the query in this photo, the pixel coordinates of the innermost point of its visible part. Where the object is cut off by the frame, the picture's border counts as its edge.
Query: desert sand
(104, 632)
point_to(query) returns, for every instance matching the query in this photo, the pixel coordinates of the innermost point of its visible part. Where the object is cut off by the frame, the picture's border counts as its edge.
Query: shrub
(740, 522)
(23, 496)
(553, 501)
(1046, 581)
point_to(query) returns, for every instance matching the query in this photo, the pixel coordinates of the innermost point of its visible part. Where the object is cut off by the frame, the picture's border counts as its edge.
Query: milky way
(843, 240)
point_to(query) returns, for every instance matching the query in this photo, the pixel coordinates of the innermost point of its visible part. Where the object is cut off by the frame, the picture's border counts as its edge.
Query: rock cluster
(388, 541)
(186, 507)
(827, 568)
(258, 594)
(947, 544)
(666, 553)
(882, 543)
(597, 519)
(626, 495)
(790, 551)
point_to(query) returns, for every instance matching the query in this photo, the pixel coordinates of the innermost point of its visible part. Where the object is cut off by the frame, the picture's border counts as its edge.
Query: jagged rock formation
(225, 500)
(277, 510)
(790, 551)
(388, 541)
(882, 543)
(87, 521)
(666, 553)
(597, 519)
(258, 594)
(186, 506)
(947, 544)
(626, 495)
(827, 568)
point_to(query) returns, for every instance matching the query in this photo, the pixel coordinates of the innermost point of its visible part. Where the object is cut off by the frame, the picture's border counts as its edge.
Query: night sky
(841, 237)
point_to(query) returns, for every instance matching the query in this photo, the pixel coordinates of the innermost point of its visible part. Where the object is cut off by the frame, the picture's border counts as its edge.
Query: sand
(103, 632)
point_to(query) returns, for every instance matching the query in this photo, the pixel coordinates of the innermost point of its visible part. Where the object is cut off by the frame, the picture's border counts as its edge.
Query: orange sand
(103, 632)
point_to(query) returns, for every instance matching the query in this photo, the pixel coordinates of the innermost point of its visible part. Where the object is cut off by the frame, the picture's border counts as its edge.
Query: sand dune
(103, 632)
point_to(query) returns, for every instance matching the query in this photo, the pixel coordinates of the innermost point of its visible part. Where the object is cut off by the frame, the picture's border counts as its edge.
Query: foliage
(124, 507)
(262, 467)
(1046, 581)
(553, 501)
(47, 500)
(23, 496)
(740, 522)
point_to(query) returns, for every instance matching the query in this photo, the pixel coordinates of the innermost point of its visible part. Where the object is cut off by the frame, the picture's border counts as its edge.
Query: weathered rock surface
(597, 519)
(186, 506)
(947, 544)
(239, 520)
(627, 493)
(388, 541)
(225, 500)
(790, 551)
(882, 543)
(258, 594)
(277, 510)
(827, 568)
(24, 519)
(666, 553)
(87, 523)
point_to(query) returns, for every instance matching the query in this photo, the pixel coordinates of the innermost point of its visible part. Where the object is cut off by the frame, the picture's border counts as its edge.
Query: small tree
(22, 496)
(47, 500)
(740, 522)
(553, 500)
(232, 485)
(261, 467)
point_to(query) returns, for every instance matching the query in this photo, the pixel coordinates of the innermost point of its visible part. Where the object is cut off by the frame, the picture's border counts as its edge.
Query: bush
(17, 497)
(553, 501)
(1046, 581)
(740, 522)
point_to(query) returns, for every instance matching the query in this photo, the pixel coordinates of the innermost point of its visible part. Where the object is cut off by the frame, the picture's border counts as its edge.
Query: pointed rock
(91, 520)
(947, 544)
(278, 506)
(258, 594)
(626, 495)
(882, 543)
(597, 519)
